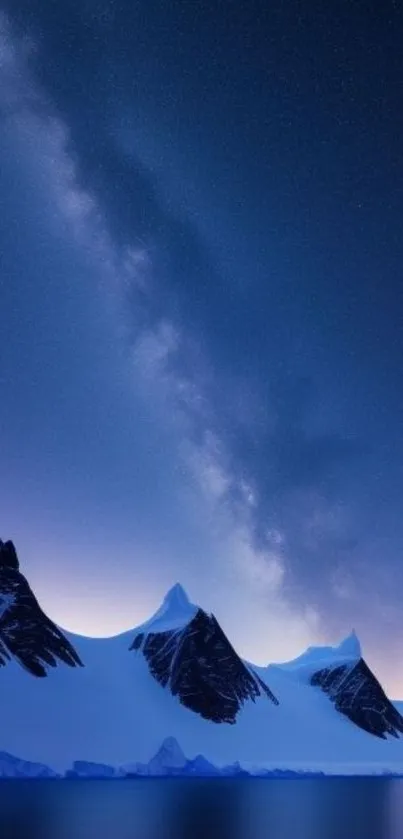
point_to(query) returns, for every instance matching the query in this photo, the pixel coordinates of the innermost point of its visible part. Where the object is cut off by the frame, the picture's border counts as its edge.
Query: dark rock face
(26, 633)
(199, 665)
(357, 694)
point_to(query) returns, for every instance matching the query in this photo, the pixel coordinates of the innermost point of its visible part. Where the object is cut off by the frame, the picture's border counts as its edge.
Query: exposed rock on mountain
(188, 653)
(26, 633)
(357, 694)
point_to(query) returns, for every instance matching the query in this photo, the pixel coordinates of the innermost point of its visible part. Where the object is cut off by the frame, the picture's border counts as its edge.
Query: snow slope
(317, 658)
(110, 711)
(115, 710)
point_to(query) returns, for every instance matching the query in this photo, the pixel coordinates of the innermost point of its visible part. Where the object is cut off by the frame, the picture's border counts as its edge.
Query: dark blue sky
(201, 300)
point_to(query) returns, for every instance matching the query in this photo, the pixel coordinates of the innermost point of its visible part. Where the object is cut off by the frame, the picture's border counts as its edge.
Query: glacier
(171, 762)
(15, 767)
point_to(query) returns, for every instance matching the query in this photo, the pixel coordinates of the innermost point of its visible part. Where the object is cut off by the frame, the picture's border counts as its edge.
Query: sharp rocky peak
(8, 556)
(26, 633)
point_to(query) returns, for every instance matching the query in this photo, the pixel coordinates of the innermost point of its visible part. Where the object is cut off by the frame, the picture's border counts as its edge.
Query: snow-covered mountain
(344, 676)
(68, 700)
(188, 653)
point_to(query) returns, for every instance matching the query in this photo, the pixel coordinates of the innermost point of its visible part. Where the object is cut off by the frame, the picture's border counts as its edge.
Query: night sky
(201, 309)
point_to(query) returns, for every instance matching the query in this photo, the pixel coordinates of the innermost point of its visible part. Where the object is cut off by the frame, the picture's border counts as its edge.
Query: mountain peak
(175, 612)
(350, 647)
(8, 556)
(169, 755)
(176, 597)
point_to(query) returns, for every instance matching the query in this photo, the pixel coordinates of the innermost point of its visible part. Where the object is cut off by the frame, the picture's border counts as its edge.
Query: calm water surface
(202, 809)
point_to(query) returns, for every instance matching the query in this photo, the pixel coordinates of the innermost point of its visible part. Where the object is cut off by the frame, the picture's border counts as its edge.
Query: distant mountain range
(69, 701)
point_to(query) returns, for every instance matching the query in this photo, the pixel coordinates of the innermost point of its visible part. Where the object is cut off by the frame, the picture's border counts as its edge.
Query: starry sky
(201, 313)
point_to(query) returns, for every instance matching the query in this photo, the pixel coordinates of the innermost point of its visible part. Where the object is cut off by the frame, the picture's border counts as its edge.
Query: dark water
(202, 809)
